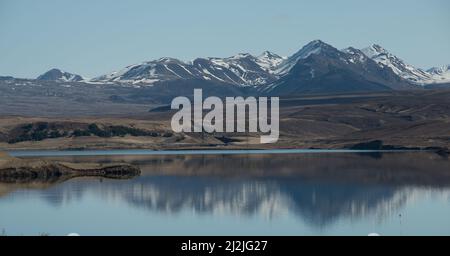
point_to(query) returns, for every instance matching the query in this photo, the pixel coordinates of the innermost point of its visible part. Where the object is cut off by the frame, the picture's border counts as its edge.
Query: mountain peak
(401, 68)
(269, 61)
(440, 74)
(316, 42)
(439, 70)
(55, 70)
(55, 74)
(312, 48)
(378, 47)
(242, 55)
(269, 55)
(375, 50)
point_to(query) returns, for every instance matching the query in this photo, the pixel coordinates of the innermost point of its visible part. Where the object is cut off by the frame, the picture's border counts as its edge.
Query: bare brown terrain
(25, 170)
(397, 119)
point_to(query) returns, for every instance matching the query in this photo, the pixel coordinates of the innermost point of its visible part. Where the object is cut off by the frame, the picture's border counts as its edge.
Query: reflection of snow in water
(244, 198)
(317, 204)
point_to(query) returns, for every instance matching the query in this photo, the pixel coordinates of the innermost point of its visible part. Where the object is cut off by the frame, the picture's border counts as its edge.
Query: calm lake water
(240, 193)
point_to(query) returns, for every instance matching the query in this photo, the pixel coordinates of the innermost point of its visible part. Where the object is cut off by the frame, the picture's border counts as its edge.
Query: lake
(238, 193)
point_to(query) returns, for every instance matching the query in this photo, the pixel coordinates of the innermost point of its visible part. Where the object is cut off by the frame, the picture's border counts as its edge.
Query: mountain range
(242, 69)
(316, 68)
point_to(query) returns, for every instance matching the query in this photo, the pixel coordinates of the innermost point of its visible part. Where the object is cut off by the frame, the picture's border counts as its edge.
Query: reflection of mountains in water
(318, 204)
(319, 189)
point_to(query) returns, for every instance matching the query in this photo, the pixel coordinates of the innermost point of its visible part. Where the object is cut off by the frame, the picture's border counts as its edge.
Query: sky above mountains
(94, 37)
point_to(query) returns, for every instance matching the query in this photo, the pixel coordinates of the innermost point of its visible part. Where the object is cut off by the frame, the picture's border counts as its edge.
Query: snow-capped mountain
(402, 69)
(164, 69)
(320, 68)
(243, 69)
(441, 74)
(60, 76)
(405, 70)
(269, 61)
(314, 47)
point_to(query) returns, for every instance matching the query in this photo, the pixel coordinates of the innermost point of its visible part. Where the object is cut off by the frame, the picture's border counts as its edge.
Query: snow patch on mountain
(355, 55)
(163, 69)
(269, 61)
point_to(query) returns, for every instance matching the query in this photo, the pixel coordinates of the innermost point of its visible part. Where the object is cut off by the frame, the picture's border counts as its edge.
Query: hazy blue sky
(92, 37)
